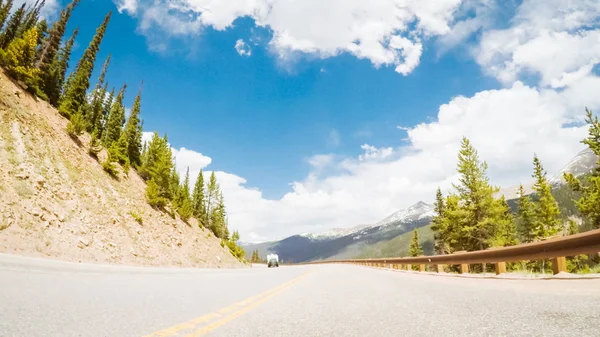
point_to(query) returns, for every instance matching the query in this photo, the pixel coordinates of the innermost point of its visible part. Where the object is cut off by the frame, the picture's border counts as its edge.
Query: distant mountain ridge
(333, 233)
(344, 242)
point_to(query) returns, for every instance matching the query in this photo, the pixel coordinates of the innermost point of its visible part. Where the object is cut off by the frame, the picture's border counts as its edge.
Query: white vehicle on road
(272, 260)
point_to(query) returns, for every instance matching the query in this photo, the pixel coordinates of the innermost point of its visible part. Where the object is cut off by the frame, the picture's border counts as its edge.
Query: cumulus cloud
(387, 32)
(129, 6)
(242, 48)
(554, 39)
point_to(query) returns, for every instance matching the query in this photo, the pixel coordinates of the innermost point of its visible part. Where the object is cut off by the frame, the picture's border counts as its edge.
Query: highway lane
(49, 298)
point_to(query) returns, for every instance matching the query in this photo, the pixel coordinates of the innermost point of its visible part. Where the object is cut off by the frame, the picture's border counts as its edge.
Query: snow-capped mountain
(581, 164)
(344, 241)
(333, 233)
(418, 211)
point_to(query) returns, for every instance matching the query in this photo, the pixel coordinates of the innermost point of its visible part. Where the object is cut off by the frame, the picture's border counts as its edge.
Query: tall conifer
(79, 82)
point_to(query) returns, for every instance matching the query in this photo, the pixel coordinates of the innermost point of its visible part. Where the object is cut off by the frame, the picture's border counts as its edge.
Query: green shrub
(76, 125)
(110, 168)
(137, 217)
(153, 195)
(186, 210)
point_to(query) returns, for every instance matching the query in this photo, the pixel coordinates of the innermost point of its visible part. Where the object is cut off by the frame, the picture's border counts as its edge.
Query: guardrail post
(439, 268)
(421, 267)
(500, 268)
(464, 268)
(559, 264)
(409, 267)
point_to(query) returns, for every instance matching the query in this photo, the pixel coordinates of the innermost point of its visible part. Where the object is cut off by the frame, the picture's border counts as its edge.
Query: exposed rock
(36, 211)
(59, 215)
(83, 242)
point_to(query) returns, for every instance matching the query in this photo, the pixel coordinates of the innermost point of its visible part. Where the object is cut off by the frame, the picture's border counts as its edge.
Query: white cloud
(554, 39)
(129, 6)
(371, 152)
(242, 48)
(321, 161)
(387, 32)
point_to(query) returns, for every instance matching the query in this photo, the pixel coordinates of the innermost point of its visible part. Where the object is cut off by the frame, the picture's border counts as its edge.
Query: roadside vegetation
(470, 218)
(36, 54)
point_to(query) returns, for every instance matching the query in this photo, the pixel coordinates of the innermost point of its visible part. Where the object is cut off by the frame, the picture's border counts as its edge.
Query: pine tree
(198, 199)
(186, 208)
(504, 231)
(114, 122)
(476, 194)
(106, 106)
(437, 224)
(76, 125)
(79, 82)
(547, 220)
(255, 257)
(212, 192)
(4, 11)
(98, 94)
(18, 57)
(31, 17)
(217, 217)
(50, 47)
(415, 245)
(158, 166)
(42, 27)
(525, 217)
(223, 227)
(174, 188)
(12, 27)
(53, 79)
(235, 249)
(133, 132)
(589, 203)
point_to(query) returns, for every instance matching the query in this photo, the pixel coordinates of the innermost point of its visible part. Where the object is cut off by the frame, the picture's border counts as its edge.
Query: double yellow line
(236, 310)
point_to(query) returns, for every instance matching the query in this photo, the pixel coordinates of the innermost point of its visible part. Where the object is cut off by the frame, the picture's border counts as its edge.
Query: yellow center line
(250, 302)
(244, 310)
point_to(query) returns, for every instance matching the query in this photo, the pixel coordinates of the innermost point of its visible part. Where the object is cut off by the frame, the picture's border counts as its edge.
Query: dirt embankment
(56, 201)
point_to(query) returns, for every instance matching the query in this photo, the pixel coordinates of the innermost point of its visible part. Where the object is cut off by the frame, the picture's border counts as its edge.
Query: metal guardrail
(556, 249)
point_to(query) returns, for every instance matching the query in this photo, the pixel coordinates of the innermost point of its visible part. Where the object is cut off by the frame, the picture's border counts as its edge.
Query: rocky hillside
(56, 200)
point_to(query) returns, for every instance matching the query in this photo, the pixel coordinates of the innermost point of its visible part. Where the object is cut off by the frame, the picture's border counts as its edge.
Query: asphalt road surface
(50, 298)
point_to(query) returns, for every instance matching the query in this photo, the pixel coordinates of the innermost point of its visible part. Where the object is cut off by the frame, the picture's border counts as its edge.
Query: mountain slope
(399, 246)
(581, 164)
(58, 202)
(310, 247)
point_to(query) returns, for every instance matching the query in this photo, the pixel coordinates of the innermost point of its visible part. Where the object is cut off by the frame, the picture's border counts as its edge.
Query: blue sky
(323, 125)
(261, 119)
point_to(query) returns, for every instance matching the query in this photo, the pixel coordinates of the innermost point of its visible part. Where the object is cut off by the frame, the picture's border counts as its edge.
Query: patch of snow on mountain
(333, 233)
(582, 163)
(418, 211)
